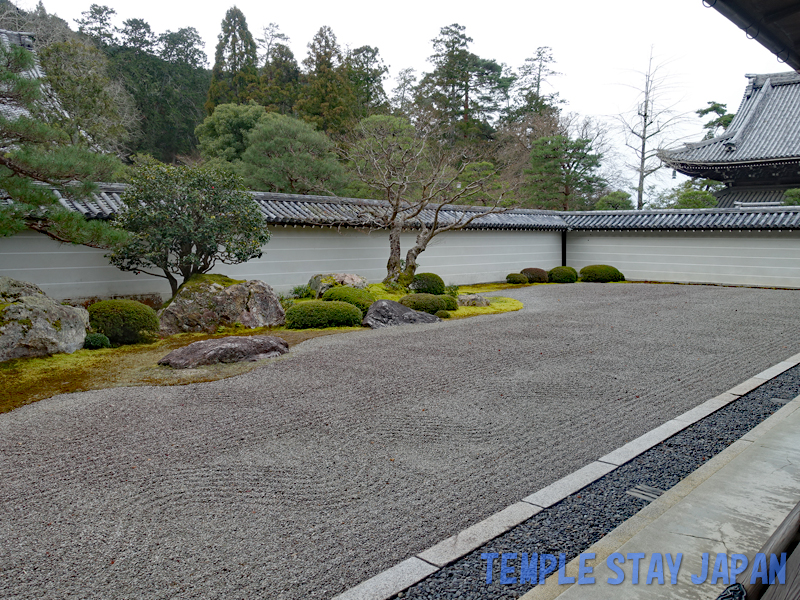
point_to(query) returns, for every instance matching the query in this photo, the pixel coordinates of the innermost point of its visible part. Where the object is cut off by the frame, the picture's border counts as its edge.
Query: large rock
(204, 305)
(322, 283)
(387, 313)
(225, 350)
(32, 324)
(472, 300)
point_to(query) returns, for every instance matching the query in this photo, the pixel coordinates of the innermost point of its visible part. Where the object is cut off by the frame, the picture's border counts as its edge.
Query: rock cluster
(322, 283)
(387, 313)
(205, 305)
(32, 324)
(472, 300)
(225, 350)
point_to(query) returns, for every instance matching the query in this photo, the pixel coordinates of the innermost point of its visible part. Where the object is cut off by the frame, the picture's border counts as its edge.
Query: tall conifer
(235, 62)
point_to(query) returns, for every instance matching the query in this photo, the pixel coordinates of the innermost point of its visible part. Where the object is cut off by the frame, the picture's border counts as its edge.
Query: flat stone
(706, 408)
(775, 370)
(225, 350)
(388, 313)
(558, 490)
(747, 386)
(472, 537)
(391, 581)
(644, 442)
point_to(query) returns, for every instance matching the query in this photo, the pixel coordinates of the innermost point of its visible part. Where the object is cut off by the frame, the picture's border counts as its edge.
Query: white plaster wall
(291, 257)
(760, 258)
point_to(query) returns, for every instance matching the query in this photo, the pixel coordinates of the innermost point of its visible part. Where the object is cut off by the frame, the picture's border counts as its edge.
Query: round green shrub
(451, 290)
(516, 278)
(428, 303)
(442, 314)
(536, 275)
(601, 274)
(322, 313)
(124, 321)
(427, 283)
(361, 299)
(94, 341)
(562, 275)
(450, 302)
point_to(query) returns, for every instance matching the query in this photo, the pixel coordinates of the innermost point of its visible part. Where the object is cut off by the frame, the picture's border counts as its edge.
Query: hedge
(429, 303)
(361, 299)
(427, 283)
(516, 278)
(535, 275)
(124, 321)
(601, 274)
(562, 275)
(322, 313)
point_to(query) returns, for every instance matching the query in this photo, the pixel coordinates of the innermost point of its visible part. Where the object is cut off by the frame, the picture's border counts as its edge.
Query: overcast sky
(600, 47)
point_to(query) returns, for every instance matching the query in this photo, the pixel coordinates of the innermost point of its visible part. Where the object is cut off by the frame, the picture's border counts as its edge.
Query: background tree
(562, 174)
(692, 193)
(403, 93)
(791, 197)
(528, 88)
(412, 172)
(96, 111)
(223, 135)
(36, 152)
(327, 97)
(366, 72)
(463, 89)
(717, 124)
(184, 220)
(646, 127)
(618, 200)
(279, 84)
(235, 62)
(96, 25)
(287, 155)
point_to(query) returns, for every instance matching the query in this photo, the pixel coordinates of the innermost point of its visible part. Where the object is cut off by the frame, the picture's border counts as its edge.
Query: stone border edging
(413, 570)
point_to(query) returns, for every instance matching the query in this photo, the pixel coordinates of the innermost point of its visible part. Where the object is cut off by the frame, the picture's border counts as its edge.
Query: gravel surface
(356, 451)
(580, 520)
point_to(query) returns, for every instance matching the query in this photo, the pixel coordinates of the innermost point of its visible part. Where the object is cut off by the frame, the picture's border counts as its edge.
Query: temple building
(758, 156)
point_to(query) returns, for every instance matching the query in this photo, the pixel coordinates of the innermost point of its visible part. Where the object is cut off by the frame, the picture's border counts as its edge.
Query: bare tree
(647, 126)
(416, 178)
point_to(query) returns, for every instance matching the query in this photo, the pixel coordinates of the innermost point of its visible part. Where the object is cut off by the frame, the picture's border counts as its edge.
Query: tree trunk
(419, 247)
(394, 263)
(173, 283)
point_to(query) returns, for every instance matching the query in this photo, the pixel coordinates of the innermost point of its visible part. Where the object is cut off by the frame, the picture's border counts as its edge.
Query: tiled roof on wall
(709, 219)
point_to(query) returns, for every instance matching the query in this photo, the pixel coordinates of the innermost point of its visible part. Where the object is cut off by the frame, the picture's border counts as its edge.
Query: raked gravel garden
(325, 466)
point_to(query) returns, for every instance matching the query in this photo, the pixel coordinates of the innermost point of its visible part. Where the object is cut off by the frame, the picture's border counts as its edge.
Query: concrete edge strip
(403, 575)
(619, 536)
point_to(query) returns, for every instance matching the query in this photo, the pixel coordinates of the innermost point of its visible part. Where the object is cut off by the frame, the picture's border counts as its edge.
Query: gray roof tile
(782, 217)
(766, 126)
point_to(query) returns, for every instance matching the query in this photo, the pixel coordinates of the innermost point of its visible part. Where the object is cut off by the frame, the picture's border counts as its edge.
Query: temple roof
(763, 141)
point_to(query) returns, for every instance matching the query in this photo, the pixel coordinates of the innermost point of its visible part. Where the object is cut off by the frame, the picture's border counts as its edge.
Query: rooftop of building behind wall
(290, 209)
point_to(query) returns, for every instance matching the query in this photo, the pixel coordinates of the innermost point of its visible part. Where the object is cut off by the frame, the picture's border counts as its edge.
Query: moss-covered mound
(562, 275)
(443, 314)
(124, 321)
(536, 275)
(601, 274)
(427, 283)
(322, 313)
(361, 299)
(516, 278)
(429, 303)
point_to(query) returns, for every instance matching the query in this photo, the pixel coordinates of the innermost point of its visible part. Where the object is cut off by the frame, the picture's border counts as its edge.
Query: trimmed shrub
(361, 299)
(451, 290)
(450, 302)
(124, 321)
(319, 314)
(601, 274)
(536, 275)
(428, 303)
(562, 275)
(516, 278)
(442, 314)
(94, 341)
(427, 283)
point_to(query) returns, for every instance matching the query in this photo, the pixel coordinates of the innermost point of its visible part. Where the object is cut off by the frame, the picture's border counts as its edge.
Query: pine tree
(235, 62)
(35, 153)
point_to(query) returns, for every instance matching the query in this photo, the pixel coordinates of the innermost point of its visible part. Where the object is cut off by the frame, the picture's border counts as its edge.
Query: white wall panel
(292, 256)
(728, 257)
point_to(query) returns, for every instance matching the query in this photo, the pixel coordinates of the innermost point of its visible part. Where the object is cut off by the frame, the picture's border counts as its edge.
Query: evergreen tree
(562, 174)
(366, 72)
(279, 83)
(327, 98)
(235, 62)
(36, 152)
(463, 89)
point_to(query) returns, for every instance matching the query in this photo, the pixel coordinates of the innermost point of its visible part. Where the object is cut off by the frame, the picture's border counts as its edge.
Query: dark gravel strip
(577, 522)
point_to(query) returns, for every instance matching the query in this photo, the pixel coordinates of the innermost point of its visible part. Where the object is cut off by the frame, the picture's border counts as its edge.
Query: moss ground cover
(24, 381)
